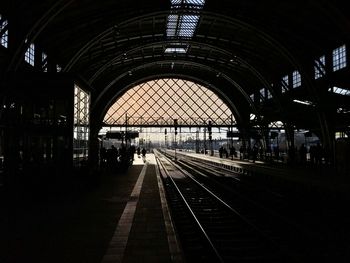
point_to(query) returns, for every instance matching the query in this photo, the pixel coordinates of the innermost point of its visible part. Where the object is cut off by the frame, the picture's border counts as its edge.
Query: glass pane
(162, 100)
(81, 127)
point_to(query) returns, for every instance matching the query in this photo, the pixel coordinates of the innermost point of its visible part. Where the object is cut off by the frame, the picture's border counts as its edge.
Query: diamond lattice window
(159, 102)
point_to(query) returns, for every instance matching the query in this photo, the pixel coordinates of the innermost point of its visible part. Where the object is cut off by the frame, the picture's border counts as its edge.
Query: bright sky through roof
(182, 25)
(341, 91)
(175, 50)
(159, 101)
(199, 3)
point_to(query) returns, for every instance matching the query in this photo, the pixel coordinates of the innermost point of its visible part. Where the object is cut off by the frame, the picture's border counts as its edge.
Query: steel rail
(216, 252)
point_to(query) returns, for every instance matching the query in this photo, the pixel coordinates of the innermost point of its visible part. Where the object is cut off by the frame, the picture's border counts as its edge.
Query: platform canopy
(158, 102)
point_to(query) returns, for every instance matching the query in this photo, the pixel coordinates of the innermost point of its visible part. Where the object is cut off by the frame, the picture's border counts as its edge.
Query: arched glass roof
(159, 102)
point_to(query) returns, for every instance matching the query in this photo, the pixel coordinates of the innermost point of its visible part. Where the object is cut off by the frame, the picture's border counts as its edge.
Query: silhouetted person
(254, 153)
(291, 155)
(302, 154)
(261, 153)
(225, 152)
(138, 151)
(132, 151)
(241, 152)
(312, 154)
(123, 155)
(221, 151)
(249, 152)
(276, 151)
(233, 152)
(103, 156)
(318, 154)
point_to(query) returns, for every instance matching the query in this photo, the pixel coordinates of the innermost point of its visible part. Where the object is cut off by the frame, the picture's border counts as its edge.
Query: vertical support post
(175, 125)
(205, 140)
(126, 130)
(231, 136)
(197, 140)
(210, 139)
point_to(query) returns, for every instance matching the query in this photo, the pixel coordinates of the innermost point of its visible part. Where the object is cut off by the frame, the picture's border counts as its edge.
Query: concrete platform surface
(117, 217)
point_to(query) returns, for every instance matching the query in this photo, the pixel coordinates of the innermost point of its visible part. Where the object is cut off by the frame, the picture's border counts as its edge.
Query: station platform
(321, 178)
(117, 217)
(123, 218)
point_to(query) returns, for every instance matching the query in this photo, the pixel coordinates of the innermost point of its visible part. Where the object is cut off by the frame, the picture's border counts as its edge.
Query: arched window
(159, 102)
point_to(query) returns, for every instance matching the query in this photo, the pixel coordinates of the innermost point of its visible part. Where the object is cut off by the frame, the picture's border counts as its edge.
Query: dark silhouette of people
(318, 154)
(225, 152)
(144, 152)
(302, 154)
(276, 151)
(233, 152)
(221, 151)
(132, 151)
(241, 152)
(112, 157)
(261, 153)
(312, 154)
(255, 153)
(103, 156)
(138, 151)
(291, 154)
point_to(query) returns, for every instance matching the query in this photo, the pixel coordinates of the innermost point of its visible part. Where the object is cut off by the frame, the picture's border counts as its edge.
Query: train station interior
(174, 131)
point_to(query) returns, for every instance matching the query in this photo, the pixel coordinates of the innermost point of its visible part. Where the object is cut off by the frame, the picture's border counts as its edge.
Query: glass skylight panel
(183, 25)
(268, 93)
(3, 32)
(340, 91)
(296, 79)
(276, 124)
(172, 25)
(320, 69)
(43, 57)
(339, 58)
(44, 62)
(29, 55)
(285, 83)
(175, 50)
(197, 2)
(188, 25)
(187, 3)
(262, 94)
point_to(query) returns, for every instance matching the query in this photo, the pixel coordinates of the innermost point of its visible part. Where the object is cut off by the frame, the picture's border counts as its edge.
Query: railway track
(210, 229)
(313, 219)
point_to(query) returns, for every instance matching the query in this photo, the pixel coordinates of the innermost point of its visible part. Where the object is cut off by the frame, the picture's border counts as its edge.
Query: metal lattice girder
(158, 102)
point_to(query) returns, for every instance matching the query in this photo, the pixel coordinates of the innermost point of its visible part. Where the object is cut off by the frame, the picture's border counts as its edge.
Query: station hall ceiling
(237, 46)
